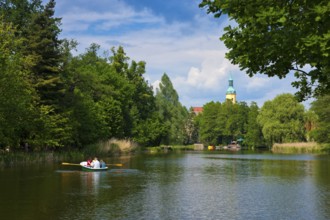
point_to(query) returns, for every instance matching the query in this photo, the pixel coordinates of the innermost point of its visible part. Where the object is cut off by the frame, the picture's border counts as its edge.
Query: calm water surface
(173, 186)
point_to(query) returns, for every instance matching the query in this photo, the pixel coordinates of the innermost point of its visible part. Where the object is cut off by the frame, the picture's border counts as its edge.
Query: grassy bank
(301, 147)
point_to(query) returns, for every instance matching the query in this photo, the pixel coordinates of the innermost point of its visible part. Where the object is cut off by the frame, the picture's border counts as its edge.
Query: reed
(300, 147)
(112, 147)
(11, 159)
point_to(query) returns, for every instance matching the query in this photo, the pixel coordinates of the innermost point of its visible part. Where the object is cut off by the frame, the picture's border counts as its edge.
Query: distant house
(197, 110)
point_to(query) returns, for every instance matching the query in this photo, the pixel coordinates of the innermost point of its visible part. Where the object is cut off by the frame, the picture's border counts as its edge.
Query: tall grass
(10, 159)
(113, 147)
(301, 147)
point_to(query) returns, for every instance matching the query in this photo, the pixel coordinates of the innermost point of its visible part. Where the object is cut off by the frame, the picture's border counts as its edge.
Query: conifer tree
(44, 45)
(172, 113)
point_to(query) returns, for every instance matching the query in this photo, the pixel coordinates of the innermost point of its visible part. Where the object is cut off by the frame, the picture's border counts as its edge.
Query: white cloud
(155, 85)
(190, 52)
(214, 70)
(256, 83)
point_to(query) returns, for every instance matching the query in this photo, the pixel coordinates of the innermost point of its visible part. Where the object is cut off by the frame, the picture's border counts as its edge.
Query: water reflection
(90, 182)
(282, 181)
(82, 183)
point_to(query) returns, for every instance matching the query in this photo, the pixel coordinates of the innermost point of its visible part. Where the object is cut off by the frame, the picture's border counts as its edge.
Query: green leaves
(52, 99)
(18, 97)
(172, 114)
(276, 37)
(223, 123)
(282, 120)
(321, 108)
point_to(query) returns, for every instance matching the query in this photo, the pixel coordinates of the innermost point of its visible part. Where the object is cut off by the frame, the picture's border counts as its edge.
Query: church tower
(231, 92)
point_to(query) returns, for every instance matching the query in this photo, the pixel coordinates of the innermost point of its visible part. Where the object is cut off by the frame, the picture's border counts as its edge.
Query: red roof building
(197, 110)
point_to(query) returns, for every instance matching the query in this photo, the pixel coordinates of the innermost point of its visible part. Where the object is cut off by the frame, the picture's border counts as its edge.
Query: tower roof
(231, 89)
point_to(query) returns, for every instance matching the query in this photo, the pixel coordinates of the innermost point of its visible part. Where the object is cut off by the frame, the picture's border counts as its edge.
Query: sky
(175, 37)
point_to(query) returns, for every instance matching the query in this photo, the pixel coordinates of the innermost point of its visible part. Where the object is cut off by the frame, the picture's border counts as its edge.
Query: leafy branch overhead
(277, 38)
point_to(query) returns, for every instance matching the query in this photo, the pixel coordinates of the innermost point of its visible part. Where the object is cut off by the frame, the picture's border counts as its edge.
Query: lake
(191, 185)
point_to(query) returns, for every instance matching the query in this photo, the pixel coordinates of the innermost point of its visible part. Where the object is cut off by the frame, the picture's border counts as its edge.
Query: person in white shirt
(95, 163)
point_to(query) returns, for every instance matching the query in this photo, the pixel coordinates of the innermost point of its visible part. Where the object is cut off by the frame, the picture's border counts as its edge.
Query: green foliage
(40, 29)
(310, 118)
(52, 99)
(282, 120)
(107, 103)
(138, 101)
(223, 123)
(151, 132)
(276, 37)
(321, 108)
(46, 124)
(172, 114)
(191, 128)
(18, 97)
(210, 123)
(253, 137)
(19, 13)
(52, 131)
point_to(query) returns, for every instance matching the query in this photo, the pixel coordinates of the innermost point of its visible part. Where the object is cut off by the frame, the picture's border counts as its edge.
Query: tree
(211, 125)
(18, 97)
(282, 120)
(19, 13)
(93, 98)
(321, 108)
(109, 98)
(276, 37)
(172, 114)
(253, 137)
(38, 31)
(237, 117)
(151, 131)
(310, 119)
(44, 45)
(191, 128)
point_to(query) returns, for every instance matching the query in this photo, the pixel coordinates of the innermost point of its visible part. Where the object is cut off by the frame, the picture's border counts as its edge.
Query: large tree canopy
(282, 120)
(278, 37)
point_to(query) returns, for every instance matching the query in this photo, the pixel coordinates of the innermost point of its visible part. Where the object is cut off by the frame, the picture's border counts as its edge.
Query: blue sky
(175, 37)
